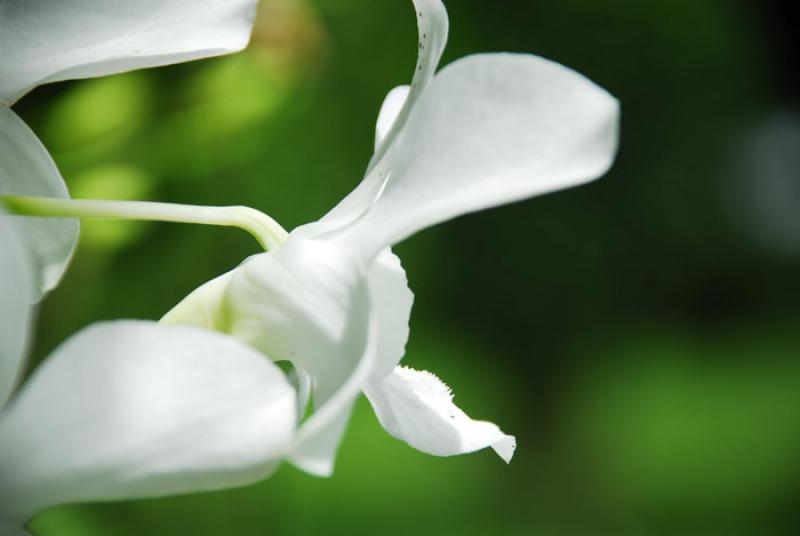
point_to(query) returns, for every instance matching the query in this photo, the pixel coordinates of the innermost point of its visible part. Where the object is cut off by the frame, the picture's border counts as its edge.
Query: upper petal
(417, 407)
(27, 169)
(432, 30)
(43, 41)
(490, 129)
(16, 290)
(390, 109)
(432, 27)
(136, 409)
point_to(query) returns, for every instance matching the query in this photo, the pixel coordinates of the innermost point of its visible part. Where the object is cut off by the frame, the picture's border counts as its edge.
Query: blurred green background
(639, 335)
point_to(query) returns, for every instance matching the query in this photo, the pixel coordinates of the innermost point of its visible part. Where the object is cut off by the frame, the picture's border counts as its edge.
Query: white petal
(489, 130)
(16, 290)
(390, 109)
(27, 169)
(391, 300)
(44, 41)
(137, 409)
(432, 27)
(417, 407)
(319, 437)
(307, 303)
(204, 306)
(301, 381)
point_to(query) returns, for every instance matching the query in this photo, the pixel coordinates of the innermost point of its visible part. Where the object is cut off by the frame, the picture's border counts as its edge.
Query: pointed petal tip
(320, 467)
(505, 448)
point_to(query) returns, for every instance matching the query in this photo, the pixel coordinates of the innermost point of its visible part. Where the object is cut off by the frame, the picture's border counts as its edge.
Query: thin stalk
(263, 228)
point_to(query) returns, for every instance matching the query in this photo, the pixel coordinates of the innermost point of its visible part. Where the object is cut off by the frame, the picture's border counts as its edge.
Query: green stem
(266, 230)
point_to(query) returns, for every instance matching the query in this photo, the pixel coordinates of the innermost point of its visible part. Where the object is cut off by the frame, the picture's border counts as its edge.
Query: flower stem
(263, 228)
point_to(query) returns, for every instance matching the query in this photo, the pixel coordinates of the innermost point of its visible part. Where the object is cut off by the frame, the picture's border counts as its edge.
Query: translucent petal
(16, 290)
(390, 109)
(45, 41)
(204, 307)
(137, 409)
(489, 130)
(417, 407)
(432, 27)
(27, 169)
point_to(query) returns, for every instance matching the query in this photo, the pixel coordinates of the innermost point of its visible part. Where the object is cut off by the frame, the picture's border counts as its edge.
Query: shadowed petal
(432, 27)
(27, 169)
(307, 303)
(136, 409)
(16, 289)
(45, 41)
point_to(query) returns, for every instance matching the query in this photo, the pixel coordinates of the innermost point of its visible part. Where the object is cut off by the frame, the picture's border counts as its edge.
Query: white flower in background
(129, 408)
(122, 409)
(333, 300)
(44, 41)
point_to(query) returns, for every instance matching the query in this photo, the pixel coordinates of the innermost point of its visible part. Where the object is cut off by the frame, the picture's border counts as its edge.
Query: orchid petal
(308, 303)
(302, 383)
(204, 306)
(136, 409)
(432, 27)
(43, 41)
(417, 407)
(490, 129)
(319, 437)
(392, 300)
(390, 109)
(305, 303)
(27, 169)
(16, 289)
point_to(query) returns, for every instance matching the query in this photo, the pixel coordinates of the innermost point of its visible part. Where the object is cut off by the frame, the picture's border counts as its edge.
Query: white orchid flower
(43, 41)
(332, 298)
(486, 130)
(129, 409)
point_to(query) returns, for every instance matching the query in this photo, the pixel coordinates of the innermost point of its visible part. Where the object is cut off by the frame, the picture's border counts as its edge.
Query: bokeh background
(639, 335)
